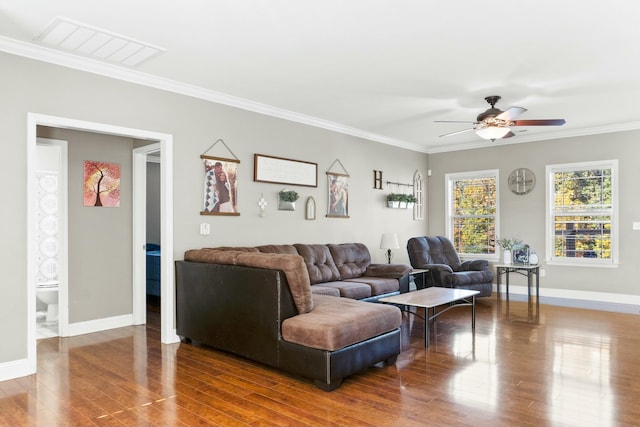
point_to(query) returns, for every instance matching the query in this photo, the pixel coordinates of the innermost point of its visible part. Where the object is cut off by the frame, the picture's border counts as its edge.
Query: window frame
(550, 258)
(449, 180)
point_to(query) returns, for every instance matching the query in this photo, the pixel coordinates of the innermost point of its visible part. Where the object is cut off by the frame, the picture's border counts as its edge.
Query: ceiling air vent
(83, 39)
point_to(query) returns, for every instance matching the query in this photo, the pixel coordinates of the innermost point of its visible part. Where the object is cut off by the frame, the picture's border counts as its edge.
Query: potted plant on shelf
(287, 200)
(507, 243)
(411, 200)
(393, 200)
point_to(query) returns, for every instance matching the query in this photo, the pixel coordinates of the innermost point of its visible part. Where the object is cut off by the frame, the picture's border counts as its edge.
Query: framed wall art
(338, 195)
(220, 186)
(277, 170)
(101, 184)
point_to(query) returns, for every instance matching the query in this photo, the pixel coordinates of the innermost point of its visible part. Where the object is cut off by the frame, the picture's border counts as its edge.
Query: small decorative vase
(506, 256)
(533, 259)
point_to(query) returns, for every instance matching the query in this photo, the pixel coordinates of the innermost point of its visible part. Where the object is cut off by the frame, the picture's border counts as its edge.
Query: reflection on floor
(45, 329)
(571, 368)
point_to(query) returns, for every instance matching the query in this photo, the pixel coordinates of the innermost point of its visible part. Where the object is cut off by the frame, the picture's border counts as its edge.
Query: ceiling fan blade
(454, 121)
(509, 135)
(541, 122)
(511, 113)
(456, 132)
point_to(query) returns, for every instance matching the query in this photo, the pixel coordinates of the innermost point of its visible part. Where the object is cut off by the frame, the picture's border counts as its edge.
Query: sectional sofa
(304, 309)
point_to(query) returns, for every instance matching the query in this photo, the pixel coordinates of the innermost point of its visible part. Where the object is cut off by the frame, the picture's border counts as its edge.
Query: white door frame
(63, 234)
(140, 231)
(168, 332)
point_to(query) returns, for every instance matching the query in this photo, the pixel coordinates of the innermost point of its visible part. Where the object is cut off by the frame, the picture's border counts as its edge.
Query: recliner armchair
(438, 255)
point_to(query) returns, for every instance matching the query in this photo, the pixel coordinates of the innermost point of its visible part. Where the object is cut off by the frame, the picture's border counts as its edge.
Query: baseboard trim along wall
(15, 369)
(605, 301)
(98, 325)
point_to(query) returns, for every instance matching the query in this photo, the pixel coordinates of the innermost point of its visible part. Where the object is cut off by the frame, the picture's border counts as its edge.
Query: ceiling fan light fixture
(493, 132)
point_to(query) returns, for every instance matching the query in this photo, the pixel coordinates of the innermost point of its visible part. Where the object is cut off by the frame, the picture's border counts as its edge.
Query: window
(582, 213)
(472, 211)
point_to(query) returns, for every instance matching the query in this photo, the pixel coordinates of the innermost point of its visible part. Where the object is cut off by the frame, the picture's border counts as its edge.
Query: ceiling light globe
(493, 132)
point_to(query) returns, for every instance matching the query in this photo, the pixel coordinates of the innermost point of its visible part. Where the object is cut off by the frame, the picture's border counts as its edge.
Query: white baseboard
(97, 325)
(15, 369)
(606, 301)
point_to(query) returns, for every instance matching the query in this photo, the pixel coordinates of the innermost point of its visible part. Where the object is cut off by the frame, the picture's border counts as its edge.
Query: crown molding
(53, 56)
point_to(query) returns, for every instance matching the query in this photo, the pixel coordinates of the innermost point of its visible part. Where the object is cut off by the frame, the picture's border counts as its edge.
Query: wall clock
(521, 181)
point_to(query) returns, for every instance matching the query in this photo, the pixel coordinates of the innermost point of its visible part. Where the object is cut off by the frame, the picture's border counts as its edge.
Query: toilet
(47, 293)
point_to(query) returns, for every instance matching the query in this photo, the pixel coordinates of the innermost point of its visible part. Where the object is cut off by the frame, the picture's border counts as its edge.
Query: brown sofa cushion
(278, 249)
(293, 267)
(349, 289)
(351, 259)
(335, 323)
(319, 262)
(379, 285)
(325, 290)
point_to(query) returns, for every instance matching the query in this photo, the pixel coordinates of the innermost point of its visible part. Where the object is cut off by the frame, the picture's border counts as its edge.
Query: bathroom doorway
(165, 141)
(51, 237)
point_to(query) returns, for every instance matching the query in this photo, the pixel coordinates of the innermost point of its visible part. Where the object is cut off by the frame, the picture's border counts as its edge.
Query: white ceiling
(383, 70)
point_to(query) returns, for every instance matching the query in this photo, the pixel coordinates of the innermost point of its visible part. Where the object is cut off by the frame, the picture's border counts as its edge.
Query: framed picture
(338, 195)
(220, 186)
(520, 254)
(277, 170)
(101, 184)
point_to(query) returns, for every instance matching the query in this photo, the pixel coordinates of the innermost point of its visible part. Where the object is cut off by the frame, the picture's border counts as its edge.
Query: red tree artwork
(101, 184)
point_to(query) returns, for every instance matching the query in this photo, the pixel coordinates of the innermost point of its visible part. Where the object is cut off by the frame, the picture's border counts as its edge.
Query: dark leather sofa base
(240, 310)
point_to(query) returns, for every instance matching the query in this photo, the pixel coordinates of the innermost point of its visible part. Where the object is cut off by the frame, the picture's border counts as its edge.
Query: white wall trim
(15, 369)
(579, 299)
(98, 325)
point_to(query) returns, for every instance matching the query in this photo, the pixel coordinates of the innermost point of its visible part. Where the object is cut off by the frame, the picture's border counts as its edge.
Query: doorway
(164, 144)
(51, 238)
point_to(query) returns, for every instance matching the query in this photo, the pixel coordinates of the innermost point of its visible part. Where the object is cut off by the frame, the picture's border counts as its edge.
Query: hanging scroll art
(220, 184)
(338, 192)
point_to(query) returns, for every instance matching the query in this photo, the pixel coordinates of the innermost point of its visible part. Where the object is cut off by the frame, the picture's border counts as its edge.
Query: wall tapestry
(101, 184)
(220, 186)
(338, 192)
(338, 195)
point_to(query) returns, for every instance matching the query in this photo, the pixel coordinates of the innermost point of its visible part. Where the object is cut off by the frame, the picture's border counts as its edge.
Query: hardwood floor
(574, 367)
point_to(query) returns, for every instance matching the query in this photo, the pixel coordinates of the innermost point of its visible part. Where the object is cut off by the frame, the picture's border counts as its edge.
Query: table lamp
(389, 241)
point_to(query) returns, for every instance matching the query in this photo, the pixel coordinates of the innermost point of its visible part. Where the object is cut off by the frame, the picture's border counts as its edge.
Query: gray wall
(524, 216)
(32, 86)
(100, 281)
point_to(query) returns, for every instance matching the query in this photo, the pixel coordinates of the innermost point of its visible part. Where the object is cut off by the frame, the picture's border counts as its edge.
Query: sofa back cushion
(351, 259)
(278, 249)
(293, 267)
(319, 263)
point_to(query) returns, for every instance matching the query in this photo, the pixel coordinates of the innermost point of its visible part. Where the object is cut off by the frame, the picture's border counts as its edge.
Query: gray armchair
(445, 268)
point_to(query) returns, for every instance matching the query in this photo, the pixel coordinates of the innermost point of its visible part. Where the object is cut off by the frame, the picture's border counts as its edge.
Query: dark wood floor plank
(573, 367)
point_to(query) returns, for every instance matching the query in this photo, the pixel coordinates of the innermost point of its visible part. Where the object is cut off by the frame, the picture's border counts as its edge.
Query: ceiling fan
(496, 124)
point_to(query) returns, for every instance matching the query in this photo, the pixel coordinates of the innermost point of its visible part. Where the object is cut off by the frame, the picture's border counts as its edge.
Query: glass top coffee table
(431, 298)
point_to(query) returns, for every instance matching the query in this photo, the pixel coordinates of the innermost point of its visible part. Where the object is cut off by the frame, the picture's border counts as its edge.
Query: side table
(528, 270)
(422, 272)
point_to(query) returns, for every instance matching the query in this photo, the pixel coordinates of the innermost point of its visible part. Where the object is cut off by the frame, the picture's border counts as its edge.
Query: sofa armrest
(474, 265)
(389, 271)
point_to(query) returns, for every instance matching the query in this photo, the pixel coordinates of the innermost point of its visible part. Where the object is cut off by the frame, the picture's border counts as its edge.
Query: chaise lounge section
(260, 305)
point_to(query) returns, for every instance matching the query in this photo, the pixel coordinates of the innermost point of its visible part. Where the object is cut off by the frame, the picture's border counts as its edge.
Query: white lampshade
(492, 132)
(389, 241)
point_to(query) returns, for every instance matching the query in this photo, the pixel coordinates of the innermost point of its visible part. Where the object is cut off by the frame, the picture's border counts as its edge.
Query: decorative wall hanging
(277, 170)
(101, 184)
(262, 204)
(338, 192)
(287, 200)
(220, 184)
(310, 211)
